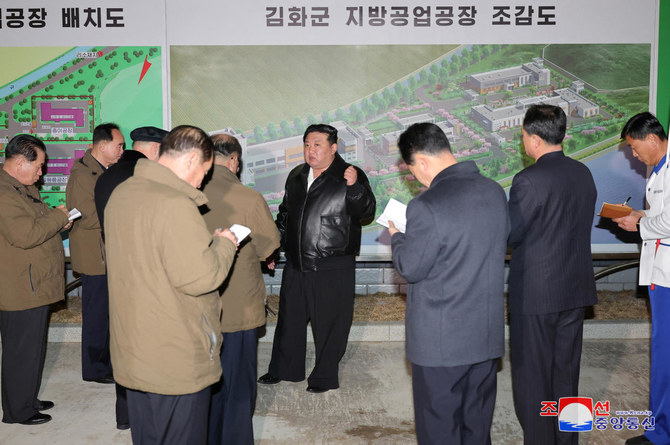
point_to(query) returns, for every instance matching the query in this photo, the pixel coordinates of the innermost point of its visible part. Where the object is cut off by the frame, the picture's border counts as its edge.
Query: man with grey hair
(164, 269)
(146, 145)
(242, 294)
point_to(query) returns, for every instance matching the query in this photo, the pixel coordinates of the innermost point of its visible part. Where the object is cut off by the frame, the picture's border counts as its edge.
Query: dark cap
(149, 134)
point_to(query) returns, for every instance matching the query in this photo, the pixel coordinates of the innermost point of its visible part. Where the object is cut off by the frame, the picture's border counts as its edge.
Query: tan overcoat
(87, 250)
(31, 249)
(243, 293)
(163, 267)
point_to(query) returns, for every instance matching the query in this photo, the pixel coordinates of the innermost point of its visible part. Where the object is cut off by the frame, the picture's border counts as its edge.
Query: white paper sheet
(395, 211)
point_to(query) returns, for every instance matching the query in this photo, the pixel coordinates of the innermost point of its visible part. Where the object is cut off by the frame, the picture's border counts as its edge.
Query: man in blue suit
(452, 255)
(551, 208)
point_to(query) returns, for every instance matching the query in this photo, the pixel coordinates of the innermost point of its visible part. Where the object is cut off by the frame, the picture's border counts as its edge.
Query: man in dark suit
(453, 257)
(551, 273)
(146, 144)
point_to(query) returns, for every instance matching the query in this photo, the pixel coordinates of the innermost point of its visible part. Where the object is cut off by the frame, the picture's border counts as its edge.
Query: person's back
(456, 281)
(551, 280)
(242, 293)
(164, 268)
(230, 203)
(551, 267)
(156, 324)
(452, 255)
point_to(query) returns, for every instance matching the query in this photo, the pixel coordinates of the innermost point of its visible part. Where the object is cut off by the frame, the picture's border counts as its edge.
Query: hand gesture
(351, 175)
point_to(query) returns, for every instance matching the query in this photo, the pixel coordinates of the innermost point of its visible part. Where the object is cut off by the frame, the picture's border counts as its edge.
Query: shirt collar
(659, 166)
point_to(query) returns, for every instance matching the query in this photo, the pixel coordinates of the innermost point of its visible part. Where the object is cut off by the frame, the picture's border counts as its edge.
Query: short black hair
(546, 121)
(322, 128)
(185, 138)
(642, 125)
(103, 132)
(226, 145)
(423, 137)
(24, 145)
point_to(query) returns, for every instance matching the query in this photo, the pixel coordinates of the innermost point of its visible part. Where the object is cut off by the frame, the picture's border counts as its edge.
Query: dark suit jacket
(453, 257)
(112, 177)
(551, 208)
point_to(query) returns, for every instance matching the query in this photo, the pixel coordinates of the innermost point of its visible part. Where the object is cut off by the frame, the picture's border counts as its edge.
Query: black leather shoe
(316, 389)
(37, 419)
(639, 440)
(122, 426)
(43, 405)
(268, 379)
(104, 380)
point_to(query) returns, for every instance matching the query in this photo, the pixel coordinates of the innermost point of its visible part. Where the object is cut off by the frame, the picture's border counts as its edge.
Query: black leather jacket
(321, 229)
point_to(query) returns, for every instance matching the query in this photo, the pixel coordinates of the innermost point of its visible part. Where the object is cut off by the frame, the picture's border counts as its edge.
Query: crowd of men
(172, 299)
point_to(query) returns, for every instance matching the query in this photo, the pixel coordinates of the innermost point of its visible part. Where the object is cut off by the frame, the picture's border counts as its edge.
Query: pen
(626, 201)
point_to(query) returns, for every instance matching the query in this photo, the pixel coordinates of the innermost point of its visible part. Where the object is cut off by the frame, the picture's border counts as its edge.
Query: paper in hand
(240, 231)
(395, 211)
(74, 214)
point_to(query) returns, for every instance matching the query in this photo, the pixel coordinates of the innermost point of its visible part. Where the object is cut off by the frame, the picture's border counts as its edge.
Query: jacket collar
(131, 156)
(23, 189)
(551, 156)
(89, 161)
(223, 173)
(454, 170)
(11, 180)
(155, 172)
(335, 169)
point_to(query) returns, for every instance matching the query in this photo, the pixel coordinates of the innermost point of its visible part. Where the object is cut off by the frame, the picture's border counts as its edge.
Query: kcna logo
(575, 414)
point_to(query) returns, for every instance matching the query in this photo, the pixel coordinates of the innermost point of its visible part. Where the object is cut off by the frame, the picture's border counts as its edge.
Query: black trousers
(454, 404)
(326, 298)
(95, 359)
(157, 419)
(231, 408)
(24, 336)
(545, 351)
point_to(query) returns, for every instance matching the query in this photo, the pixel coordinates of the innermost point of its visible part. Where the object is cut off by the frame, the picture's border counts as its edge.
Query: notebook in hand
(614, 210)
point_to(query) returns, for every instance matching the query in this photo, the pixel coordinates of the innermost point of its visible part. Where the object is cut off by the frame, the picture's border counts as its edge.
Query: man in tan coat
(242, 294)
(32, 277)
(87, 251)
(164, 269)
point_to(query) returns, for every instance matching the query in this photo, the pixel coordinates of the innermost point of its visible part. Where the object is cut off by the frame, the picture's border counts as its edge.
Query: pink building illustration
(62, 114)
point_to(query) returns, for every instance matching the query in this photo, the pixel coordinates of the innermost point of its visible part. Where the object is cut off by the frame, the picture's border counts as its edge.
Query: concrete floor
(373, 405)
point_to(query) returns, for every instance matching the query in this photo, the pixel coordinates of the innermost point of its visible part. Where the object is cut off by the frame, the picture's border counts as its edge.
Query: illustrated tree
(432, 80)
(393, 100)
(285, 128)
(356, 114)
(412, 83)
(311, 119)
(259, 136)
(272, 131)
(298, 125)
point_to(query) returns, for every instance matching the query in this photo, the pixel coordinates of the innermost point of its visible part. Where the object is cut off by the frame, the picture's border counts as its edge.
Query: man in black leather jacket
(326, 200)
